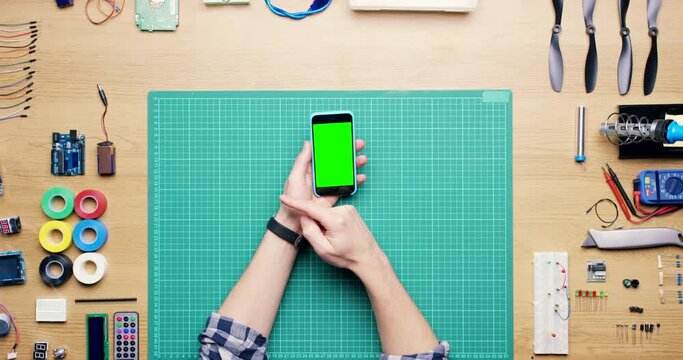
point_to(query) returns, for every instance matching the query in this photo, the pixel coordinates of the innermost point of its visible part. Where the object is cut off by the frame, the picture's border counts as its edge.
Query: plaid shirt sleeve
(439, 353)
(227, 339)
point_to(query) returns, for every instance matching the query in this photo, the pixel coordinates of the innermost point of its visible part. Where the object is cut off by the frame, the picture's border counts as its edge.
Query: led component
(10, 225)
(40, 350)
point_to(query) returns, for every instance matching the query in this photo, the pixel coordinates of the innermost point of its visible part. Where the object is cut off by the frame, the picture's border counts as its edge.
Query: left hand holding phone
(299, 185)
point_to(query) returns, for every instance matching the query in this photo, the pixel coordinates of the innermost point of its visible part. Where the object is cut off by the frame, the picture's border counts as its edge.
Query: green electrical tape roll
(58, 192)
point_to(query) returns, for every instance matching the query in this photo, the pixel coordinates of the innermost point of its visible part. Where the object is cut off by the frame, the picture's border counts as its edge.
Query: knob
(674, 186)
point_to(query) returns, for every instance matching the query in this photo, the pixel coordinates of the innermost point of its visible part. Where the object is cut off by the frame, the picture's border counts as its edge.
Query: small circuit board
(156, 15)
(68, 154)
(596, 270)
(12, 268)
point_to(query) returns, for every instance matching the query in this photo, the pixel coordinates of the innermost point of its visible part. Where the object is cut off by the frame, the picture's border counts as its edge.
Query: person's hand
(338, 235)
(299, 185)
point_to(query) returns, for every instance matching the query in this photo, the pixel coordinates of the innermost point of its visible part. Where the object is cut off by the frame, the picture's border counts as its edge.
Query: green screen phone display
(333, 155)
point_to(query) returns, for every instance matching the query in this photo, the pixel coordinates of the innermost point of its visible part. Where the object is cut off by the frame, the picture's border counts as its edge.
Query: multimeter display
(661, 187)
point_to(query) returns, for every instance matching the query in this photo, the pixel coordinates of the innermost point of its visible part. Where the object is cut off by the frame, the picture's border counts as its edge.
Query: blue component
(12, 268)
(101, 235)
(64, 3)
(580, 158)
(316, 7)
(68, 154)
(674, 133)
(661, 187)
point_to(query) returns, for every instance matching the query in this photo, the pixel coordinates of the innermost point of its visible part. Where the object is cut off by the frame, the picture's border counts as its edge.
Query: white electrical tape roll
(85, 277)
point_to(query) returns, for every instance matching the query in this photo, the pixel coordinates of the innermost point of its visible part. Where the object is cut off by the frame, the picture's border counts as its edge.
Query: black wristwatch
(284, 233)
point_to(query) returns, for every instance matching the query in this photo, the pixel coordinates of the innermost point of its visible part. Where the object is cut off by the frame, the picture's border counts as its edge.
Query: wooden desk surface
(503, 44)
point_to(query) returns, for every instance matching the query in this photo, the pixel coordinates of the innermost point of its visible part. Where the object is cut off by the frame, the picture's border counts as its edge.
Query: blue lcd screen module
(12, 268)
(68, 154)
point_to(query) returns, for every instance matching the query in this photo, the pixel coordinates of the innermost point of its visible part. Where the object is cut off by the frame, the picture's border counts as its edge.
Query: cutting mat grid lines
(438, 199)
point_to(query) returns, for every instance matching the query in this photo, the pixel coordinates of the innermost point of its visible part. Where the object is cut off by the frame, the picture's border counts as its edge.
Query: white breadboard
(551, 303)
(51, 310)
(415, 5)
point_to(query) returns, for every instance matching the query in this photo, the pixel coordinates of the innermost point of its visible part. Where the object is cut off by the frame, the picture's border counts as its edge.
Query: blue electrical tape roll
(101, 235)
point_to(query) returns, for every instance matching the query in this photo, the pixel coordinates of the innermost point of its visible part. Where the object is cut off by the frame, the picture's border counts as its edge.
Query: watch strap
(284, 232)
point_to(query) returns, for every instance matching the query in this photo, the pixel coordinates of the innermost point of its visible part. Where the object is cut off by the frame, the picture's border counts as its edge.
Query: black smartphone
(334, 154)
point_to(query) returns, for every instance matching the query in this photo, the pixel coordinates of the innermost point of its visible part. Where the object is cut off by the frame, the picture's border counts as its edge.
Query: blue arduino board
(661, 187)
(68, 154)
(12, 269)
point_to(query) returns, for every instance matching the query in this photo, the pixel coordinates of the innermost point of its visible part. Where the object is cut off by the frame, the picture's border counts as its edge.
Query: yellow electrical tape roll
(48, 244)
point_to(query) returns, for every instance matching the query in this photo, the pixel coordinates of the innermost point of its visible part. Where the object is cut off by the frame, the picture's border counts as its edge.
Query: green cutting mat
(438, 199)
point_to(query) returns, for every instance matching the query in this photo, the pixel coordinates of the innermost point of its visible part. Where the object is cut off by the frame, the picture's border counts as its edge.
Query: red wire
(16, 329)
(616, 193)
(661, 211)
(627, 212)
(16, 57)
(11, 51)
(13, 97)
(16, 35)
(564, 271)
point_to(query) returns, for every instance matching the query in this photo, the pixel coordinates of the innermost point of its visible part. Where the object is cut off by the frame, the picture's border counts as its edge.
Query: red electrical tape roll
(100, 204)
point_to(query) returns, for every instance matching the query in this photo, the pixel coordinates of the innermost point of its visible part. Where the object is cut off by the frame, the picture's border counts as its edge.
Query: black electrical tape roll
(56, 279)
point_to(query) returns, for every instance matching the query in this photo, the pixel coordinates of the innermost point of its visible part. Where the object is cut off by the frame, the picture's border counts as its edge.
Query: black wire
(597, 213)
(20, 47)
(17, 91)
(624, 194)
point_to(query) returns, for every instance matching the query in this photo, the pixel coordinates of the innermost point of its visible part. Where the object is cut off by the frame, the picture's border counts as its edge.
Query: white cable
(12, 71)
(15, 30)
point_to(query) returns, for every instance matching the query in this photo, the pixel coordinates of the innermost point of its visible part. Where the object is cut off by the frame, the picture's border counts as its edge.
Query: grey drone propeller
(652, 59)
(625, 69)
(591, 72)
(555, 61)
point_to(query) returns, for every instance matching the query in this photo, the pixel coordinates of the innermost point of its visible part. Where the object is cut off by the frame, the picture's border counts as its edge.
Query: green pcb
(438, 199)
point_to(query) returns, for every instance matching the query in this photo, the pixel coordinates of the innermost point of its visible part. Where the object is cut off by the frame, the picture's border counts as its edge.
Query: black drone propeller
(625, 69)
(591, 72)
(555, 61)
(652, 59)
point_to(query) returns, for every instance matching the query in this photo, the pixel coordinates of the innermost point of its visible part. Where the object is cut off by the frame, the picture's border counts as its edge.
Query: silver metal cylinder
(581, 135)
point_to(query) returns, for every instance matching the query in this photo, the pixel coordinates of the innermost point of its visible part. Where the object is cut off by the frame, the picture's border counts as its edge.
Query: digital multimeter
(661, 187)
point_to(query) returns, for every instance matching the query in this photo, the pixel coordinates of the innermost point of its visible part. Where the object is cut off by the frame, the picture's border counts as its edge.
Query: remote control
(126, 344)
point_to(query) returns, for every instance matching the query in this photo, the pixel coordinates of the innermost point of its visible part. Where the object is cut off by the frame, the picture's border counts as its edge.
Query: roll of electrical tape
(5, 324)
(44, 236)
(83, 275)
(101, 235)
(63, 275)
(54, 193)
(100, 204)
